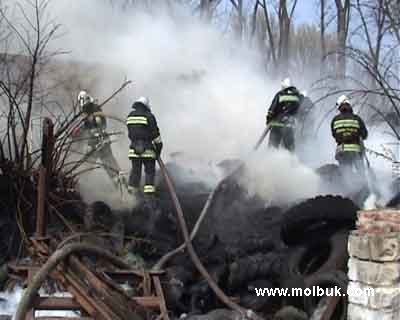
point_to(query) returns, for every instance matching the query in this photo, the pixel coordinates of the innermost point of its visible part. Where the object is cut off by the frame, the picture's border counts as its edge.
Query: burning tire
(317, 218)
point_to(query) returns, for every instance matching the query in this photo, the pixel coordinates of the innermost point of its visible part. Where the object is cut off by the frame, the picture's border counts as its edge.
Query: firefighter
(281, 116)
(349, 131)
(146, 146)
(98, 140)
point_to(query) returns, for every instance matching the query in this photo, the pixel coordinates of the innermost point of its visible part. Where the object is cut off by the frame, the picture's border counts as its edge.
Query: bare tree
(322, 34)
(271, 38)
(280, 48)
(343, 20)
(33, 35)
(239, 23)
(285, 18)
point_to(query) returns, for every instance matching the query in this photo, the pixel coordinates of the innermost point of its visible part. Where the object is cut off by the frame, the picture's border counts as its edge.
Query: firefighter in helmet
(98, 141)
(349, 131)
(281, 116)
(146, 146)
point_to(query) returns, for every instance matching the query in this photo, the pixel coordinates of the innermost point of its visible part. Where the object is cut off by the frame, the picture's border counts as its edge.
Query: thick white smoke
(208, 91)
(280, 178)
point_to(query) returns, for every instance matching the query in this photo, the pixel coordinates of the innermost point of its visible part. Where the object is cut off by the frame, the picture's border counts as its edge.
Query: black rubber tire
(305, 220)
(249, 299)
(218, 314)
(328, 280)
(247, 269)
(319, 256)
(100, 214)
(290, 313)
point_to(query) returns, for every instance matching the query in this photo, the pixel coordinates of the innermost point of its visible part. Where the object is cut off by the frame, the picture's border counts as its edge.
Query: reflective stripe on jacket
(348, 128)
(283, 124)
(148, 188)
(147, 154)
(346, 124)
(284, 98)
(349, 147)
(142, 125)
(137, 120)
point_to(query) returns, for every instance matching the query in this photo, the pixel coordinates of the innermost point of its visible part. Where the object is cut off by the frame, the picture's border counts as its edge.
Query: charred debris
(190, 253)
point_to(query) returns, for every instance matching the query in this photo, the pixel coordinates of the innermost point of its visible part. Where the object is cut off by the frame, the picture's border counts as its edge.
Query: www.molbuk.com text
(314, 291)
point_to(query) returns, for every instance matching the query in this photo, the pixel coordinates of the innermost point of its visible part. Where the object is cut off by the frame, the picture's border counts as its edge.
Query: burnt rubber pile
(242, 243)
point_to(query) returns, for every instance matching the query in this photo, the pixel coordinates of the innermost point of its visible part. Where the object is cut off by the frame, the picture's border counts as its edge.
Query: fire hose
(192, 253)
(159, 265)
(262, 137)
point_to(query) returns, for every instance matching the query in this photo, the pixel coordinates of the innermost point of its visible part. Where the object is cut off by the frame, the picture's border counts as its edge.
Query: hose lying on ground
(164, 259)
(192, 253)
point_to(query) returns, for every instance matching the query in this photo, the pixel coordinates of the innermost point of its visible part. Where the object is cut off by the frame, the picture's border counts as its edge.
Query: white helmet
(286, 83)
(343, 100)
(84, 98)
(144, 100)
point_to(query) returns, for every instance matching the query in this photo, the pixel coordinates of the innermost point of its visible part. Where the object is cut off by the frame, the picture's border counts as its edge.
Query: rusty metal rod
(109, 297)
(87, 304)
(55, 259)
(102, 309)
(56, 303)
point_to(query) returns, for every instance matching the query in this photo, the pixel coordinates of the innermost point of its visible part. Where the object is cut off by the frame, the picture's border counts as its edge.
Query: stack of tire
(316, 233)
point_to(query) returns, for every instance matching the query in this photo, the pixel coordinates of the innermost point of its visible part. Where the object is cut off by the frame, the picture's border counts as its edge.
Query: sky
(306, 11)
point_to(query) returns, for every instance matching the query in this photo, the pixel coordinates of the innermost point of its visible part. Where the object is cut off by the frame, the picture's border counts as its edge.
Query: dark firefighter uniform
(349, 132)
(99, 144)
(281, 117)
(145, 145)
